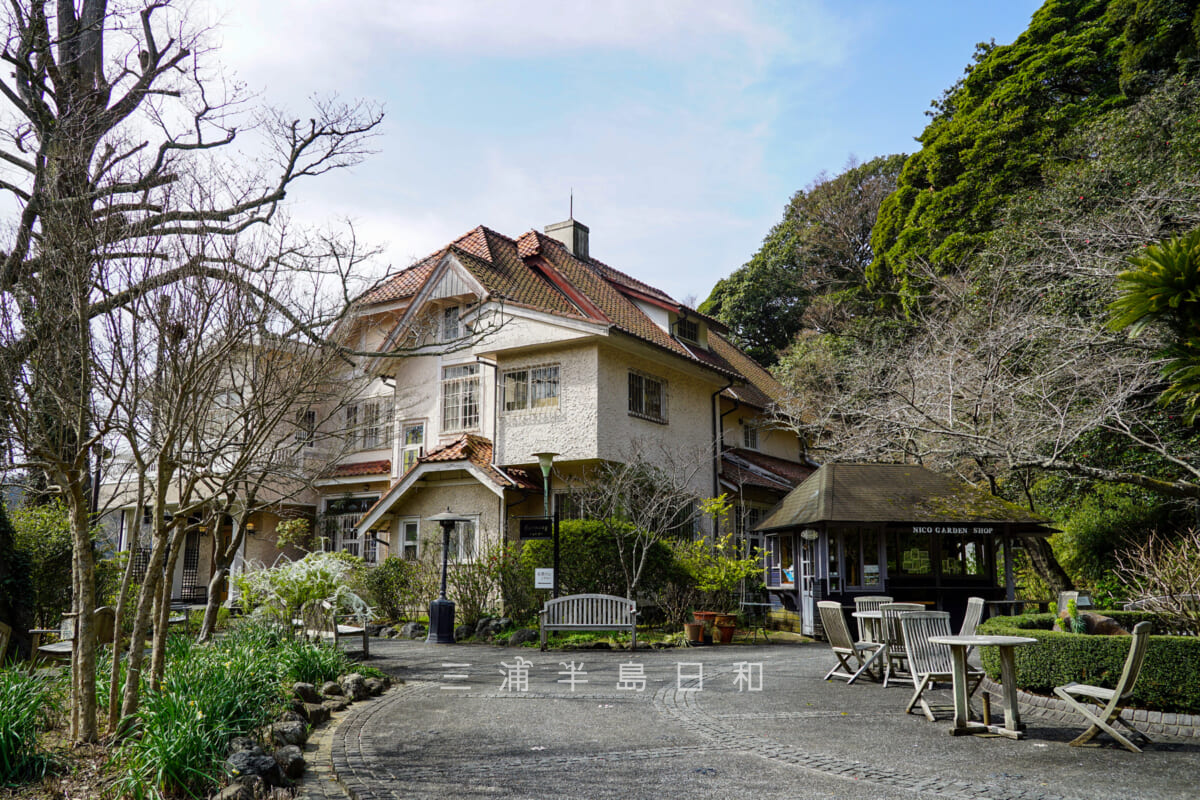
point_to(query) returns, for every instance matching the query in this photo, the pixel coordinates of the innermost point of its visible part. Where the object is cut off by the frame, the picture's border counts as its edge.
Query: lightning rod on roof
(571, 207)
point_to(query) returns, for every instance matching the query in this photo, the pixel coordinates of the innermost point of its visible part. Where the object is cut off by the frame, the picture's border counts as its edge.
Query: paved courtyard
(708, 724)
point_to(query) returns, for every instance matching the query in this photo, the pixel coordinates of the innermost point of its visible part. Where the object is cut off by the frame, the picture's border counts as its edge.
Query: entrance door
(805, 576)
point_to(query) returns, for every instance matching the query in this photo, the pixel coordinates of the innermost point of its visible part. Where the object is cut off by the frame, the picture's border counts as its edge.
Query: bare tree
(642, 500)
(111, 149)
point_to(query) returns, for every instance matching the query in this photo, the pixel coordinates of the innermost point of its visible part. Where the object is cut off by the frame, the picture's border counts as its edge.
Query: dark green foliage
(1164, 287)
(810, 270)
(25, 702)
(391, 586)
(590, 562)
(991, 134)
(231, 686)
(43, 538)
(16, 607)
(1170, 676)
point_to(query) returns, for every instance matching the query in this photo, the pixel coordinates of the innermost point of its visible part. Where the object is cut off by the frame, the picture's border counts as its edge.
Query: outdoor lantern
(441, 610)
(546, 462)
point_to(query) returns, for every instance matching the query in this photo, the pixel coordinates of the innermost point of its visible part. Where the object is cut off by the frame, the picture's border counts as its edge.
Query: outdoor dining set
(908, 640)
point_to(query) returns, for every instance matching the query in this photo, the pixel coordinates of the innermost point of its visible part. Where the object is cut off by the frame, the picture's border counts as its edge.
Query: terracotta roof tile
(475, 449)
(537, 271)
(750, 467)
(403, 284)
(382, 467)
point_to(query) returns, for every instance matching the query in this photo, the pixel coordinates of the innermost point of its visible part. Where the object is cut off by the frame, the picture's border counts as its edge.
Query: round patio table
(1012, 728)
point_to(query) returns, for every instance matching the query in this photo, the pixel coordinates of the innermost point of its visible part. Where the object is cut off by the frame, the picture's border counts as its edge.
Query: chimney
(572, 234)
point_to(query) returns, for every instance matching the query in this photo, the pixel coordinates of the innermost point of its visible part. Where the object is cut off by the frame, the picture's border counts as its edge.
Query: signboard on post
(537, 527)
(543, 578)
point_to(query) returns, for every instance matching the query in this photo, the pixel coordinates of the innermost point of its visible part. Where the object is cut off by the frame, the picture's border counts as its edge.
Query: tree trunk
(141, 624)
(215, 587)
(1046, 565)
(83, 702)
(158, 659)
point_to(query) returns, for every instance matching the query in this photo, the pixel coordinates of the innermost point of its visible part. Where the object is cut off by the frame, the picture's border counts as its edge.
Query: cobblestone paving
(799, 737)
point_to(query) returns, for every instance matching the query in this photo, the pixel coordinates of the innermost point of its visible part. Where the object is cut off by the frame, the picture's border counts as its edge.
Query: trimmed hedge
(1170, 677)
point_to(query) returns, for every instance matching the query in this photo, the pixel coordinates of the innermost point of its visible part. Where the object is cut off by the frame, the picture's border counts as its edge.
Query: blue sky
(682, 127)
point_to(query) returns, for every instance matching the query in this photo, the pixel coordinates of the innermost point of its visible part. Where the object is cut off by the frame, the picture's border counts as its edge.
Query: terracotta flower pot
(726, 619)
(725, 633)
(705, 617)
(694, 631)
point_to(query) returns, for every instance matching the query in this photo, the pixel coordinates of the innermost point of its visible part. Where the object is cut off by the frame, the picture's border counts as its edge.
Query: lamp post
(546, 462)
(441, 610)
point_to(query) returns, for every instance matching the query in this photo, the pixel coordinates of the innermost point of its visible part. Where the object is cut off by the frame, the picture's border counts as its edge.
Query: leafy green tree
(992, 136)
(811, 268)
(1164, 287)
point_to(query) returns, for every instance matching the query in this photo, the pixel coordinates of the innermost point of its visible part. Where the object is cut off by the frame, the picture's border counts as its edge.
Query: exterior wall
(772, 441)
(466, 499)
(571, 428)
(687, 433)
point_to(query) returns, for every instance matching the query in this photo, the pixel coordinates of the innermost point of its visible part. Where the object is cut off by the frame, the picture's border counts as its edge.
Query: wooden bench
(589, 612)
(319, 621)
(103, 624)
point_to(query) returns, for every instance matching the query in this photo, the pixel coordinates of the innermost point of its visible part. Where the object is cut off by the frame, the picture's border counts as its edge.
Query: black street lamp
(441, 610)
(546, 462)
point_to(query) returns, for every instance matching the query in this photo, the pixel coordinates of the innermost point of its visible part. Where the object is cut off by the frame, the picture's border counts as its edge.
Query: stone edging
(1152, 722)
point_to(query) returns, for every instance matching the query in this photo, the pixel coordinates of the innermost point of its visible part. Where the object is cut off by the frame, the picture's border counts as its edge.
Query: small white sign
(543, 578)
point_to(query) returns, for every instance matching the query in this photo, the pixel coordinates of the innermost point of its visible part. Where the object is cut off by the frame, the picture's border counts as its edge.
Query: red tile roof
(382, 467)
(478, 451)
(539, 272)
(740, 467)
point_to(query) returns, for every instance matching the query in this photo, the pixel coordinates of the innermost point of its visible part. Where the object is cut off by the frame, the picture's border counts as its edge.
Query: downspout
(719, 434)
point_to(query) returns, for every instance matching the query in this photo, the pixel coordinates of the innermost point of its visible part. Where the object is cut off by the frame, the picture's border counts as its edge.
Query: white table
(1012, 728)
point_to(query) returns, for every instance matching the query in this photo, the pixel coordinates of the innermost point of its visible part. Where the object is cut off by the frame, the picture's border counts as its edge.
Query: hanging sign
(543, 578)
(537, 527)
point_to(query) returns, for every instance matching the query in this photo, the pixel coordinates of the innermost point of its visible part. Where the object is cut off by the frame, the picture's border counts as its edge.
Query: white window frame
(464, 530)
(335, 527)
(750, 436)
(411, 449)
(450, 326)
(521, 388)
(461, 398)
(412, 525)
(306, 427)
(639, 385)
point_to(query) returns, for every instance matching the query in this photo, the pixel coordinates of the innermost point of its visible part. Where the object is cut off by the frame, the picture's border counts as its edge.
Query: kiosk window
(910, 554)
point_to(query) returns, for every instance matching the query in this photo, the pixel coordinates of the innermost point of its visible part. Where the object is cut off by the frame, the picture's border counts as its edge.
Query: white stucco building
(493, 349)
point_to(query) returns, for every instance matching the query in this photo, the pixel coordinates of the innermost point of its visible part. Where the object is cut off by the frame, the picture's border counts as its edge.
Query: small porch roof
(896, 493)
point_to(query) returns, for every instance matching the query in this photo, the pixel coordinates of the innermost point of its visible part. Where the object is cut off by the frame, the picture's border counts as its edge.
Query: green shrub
(395, 587)
(589, 561)
(1170, 676)
(280, 592)
(231, 686)
(25, 703)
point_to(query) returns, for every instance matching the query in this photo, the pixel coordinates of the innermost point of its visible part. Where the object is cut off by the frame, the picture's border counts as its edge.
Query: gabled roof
(894, 493)
(539, 272)
(478, 451)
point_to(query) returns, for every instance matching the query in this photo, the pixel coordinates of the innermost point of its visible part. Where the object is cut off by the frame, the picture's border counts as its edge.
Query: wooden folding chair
(897, 657)
(1110, 701)
(843, 647)
(972, 617)
(868, 602)
(929, 662)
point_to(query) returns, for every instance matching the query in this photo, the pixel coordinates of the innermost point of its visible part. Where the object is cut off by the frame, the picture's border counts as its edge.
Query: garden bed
(1170, 676)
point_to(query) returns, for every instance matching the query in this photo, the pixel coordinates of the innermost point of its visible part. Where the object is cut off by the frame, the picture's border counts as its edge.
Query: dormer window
(688, 329)
(451, 324)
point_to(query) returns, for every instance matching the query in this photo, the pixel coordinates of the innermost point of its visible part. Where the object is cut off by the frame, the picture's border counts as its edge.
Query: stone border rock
(1152, 722)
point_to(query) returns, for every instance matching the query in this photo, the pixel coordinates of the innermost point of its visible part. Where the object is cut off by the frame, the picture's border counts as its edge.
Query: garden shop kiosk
(895, 529)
